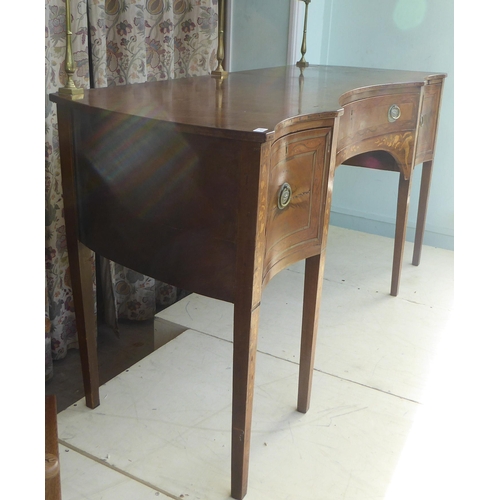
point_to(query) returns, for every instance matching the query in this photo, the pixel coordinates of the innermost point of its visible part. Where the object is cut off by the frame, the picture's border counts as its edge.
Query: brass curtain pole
(70, 89)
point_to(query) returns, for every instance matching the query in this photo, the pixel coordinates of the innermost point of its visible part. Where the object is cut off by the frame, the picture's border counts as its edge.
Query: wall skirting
(432, 237)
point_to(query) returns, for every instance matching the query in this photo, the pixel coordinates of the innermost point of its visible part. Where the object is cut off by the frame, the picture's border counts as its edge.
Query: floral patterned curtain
(60, 333)
(115, 42)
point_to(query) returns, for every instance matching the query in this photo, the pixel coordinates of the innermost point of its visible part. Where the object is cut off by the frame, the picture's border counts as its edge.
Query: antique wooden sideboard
(217, 185)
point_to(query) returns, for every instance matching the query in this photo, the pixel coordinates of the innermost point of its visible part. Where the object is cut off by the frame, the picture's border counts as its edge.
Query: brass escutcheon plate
(394, 113)
(284, 195)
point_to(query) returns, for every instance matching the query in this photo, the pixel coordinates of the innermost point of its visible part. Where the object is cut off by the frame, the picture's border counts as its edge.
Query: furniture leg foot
(244, 354)
(52, 463)
(80, 260)
(400, 234)
(313, 285)
(422, 211)
(86, 323)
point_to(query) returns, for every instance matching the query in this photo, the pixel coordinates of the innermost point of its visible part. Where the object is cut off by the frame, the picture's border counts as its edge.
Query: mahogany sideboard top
(215, 186)
(249, 100)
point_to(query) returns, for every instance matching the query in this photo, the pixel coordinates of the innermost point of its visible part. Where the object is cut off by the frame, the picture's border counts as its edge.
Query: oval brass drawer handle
(394, 113)
(284, 195)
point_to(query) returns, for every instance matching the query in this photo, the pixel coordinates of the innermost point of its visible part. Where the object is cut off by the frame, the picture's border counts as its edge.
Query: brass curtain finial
(303, 63)
(220, 72)
(70, 89)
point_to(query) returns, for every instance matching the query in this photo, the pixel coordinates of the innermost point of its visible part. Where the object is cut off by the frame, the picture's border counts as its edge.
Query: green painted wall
(396, 34)
(259, 33)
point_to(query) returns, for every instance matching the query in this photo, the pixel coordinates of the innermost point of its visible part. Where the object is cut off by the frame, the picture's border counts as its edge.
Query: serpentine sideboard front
(217, 185)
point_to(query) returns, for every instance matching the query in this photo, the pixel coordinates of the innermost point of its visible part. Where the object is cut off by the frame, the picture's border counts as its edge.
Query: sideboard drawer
(297, 190)
(379, 123)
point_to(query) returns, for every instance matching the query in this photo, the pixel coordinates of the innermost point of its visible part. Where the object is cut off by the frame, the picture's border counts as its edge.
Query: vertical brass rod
(70, 89)
(303, 63)
(220, 72)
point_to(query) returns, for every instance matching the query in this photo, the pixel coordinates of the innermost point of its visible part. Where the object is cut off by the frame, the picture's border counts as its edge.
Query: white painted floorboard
(163, 427)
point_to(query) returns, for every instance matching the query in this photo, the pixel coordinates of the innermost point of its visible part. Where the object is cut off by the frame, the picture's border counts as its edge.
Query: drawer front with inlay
(298, 185)
(385, 123)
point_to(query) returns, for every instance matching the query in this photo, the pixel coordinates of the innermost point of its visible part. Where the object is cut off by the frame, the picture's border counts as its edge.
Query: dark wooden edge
(52, 465)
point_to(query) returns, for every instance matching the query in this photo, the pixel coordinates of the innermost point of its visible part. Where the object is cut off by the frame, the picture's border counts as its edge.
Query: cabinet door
(297, 194)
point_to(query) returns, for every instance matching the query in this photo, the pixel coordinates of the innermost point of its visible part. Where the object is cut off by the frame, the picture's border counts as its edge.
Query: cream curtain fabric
(115, 42)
